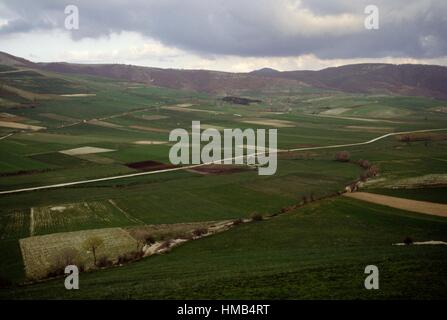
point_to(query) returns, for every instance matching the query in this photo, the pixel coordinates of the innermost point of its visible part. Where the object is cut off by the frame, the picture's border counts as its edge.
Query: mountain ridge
(402, 79)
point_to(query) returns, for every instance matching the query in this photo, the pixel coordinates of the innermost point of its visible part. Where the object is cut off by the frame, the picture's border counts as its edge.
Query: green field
(318, 249)
(316, 252)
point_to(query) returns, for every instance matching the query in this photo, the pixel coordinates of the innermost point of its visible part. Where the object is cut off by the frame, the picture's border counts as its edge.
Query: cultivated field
(306, 241)
(436, 209)
(41, 253)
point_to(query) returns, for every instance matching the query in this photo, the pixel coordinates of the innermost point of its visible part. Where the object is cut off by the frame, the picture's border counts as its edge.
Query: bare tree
(142, 237)
(372, 171)
(92, 244)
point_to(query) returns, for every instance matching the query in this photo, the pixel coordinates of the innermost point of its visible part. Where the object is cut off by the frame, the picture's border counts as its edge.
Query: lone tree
(92, 244)
(343, 156)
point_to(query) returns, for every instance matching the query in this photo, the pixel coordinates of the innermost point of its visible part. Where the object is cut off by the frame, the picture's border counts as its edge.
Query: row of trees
(370, 170)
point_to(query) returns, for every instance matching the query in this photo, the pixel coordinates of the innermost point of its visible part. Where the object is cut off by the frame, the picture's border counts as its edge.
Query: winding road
(131, 175)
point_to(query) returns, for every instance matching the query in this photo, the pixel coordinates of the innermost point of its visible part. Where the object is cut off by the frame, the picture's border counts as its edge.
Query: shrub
(364, 164)
(305, 199)
(104, 262)
(122, 259)
(81, 266)
(130, 256)
(69, 256)
(143, 237)
(256, 216)
(404, 138)
(343, 156)
(187, 236)
(408, 241)
(364, 176)
(136, 255)
(372, 171)
(150, 239)
(55, 271)
(200, 232)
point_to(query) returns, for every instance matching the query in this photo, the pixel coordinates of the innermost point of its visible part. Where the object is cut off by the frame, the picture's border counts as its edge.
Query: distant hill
(266, 72)
(406, 79)
(10, 60)
(198, 80)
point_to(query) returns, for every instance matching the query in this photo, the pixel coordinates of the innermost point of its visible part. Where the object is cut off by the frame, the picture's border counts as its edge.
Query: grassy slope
(319, 251)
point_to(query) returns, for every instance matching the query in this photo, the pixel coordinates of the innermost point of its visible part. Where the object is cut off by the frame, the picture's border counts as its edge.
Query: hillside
(407, 79)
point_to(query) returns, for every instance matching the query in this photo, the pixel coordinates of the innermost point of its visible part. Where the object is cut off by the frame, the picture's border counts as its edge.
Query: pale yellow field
(149, 142)
(16, 125)
(149, 129)
(436, 209)
(271, 123)
(104, 124)
(84, 150)
(211, 126)
(184, 109)
(41, 253)
(335, 111)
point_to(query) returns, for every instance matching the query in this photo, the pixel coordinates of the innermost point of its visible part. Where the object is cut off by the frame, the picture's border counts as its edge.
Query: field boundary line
(138, 174)
(31, 222)
(126, 214)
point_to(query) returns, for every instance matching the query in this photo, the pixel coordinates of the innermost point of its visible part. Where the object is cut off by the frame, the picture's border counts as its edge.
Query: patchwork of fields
(316, 245)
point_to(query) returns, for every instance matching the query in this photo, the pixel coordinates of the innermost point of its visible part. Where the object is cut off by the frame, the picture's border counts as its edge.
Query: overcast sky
(228, 35)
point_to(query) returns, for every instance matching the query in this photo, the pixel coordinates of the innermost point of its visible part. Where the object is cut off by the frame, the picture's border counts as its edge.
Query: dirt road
(67, 184)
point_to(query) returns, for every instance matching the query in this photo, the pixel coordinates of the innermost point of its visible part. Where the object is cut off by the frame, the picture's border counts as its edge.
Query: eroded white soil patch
(431, 242)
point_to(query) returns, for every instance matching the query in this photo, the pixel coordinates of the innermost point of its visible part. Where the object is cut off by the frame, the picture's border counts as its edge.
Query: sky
(227, 35)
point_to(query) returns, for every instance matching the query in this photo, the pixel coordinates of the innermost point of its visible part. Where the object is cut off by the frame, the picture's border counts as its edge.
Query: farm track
(132, 175)
(31, 222)
(117, 115)
(7, 136)
(353, 118)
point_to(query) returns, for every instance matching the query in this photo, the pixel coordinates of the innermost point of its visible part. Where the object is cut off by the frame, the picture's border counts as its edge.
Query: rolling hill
(406, 79)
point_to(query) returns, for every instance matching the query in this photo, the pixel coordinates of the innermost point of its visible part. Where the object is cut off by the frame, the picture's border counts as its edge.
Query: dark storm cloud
(328, 29)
